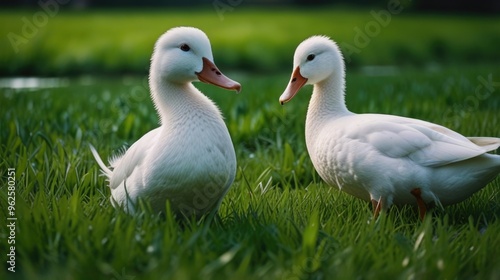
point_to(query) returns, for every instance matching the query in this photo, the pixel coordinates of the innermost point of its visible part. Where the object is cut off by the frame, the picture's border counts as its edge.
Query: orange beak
(210, 74)
(295, 84)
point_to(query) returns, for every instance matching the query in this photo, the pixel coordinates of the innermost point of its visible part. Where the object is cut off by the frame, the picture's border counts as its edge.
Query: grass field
(279, 220)
(82, 42)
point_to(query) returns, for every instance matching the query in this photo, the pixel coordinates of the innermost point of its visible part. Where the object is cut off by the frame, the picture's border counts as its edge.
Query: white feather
(189, 160)
(383, 157)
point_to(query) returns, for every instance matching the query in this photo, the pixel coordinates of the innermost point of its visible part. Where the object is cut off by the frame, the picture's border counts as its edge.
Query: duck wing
(424, 143)
(125, 164)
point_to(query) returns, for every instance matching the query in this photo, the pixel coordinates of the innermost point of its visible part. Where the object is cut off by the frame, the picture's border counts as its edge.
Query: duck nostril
(294, 80)
(218, 73)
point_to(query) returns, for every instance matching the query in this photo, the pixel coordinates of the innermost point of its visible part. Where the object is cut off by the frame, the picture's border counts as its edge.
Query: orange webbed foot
(377, 207)
(417, 193)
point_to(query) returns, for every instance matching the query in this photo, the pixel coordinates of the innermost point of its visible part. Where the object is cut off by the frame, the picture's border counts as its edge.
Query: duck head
(183, 55)
(315, 60)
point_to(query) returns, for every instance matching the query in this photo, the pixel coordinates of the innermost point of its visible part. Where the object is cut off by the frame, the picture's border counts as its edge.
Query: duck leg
(422, 209)
(377, 207)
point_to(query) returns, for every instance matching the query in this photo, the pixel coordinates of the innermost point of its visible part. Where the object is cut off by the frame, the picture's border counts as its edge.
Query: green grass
(278, 221)
(110, 42)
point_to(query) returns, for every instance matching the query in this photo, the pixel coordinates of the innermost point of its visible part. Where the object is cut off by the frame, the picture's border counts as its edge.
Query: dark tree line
(444, 6)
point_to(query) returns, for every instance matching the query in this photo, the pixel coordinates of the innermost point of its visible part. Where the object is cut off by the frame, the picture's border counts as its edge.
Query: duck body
(189, 160)
(380, 158)
(376, 157)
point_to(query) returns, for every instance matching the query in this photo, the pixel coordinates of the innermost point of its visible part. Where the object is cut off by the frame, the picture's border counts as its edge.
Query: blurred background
(85, 37)
(74, 72)
(483, 6)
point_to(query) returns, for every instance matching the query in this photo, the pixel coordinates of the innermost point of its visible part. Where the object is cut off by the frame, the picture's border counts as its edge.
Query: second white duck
(384, 159)
(189, 160)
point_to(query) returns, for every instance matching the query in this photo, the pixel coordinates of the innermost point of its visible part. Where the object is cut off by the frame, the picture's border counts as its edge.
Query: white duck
(384, 159)
(189, 160)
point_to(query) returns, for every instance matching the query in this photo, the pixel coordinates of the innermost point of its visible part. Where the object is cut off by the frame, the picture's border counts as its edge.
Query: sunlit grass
(279, 220)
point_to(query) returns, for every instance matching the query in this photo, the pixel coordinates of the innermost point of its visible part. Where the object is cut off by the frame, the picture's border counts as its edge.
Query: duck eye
(185, 47)
(310, 57)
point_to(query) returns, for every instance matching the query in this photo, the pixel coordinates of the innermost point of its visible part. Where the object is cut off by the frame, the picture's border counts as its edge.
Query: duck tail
(487, 143)
(105, 170)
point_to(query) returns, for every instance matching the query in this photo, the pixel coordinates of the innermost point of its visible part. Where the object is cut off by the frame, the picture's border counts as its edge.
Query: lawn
(107, 42)
(279, 220)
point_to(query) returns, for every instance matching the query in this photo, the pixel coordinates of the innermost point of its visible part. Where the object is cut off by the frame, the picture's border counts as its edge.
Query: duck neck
(168, 106)
(327, 102)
